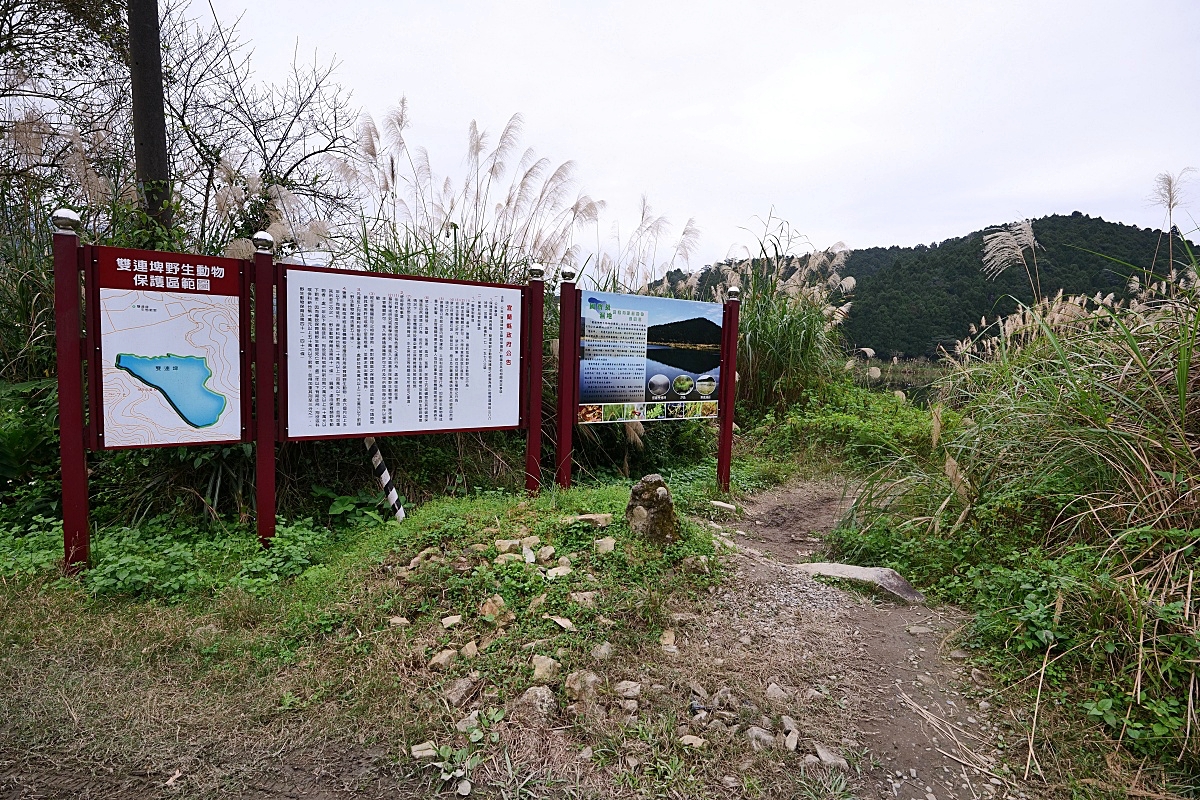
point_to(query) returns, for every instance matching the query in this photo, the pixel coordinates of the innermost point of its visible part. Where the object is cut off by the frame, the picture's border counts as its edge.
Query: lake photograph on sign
(648, 358)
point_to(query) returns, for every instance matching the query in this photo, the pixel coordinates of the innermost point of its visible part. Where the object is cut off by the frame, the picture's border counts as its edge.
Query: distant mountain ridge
(910, 300)
(686, 331)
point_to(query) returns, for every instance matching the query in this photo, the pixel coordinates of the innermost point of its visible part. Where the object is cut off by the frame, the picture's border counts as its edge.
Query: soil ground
(882, 685)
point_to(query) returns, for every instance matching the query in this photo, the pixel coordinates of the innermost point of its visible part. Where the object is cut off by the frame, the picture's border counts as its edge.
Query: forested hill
(910, 300)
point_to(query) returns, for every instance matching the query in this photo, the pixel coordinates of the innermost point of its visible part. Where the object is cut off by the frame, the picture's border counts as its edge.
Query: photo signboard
(372, 355)
(648, 358)
(170, 349)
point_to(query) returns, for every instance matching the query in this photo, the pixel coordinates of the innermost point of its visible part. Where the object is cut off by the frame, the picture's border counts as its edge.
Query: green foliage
(866, 426)
(294, 549)
(31, 549)
(1059, 503)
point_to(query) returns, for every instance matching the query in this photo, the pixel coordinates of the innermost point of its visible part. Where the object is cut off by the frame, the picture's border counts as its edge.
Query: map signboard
(170, 356)
(648, 358)
(370, 355)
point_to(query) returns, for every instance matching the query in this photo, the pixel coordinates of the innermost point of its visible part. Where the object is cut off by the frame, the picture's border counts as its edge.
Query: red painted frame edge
(93, 342)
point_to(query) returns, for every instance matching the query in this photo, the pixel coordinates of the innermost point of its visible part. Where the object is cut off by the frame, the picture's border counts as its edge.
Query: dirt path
(885, 681)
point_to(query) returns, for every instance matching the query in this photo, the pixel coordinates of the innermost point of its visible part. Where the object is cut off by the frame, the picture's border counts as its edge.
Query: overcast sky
(872, 123)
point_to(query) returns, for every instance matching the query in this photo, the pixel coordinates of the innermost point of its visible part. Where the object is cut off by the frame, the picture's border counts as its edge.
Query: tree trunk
(149, 116)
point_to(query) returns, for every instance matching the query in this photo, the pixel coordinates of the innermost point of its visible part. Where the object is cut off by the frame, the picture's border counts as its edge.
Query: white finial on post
(263, 242)
(568, 273)
(536, 271)
(734, 293)
(65, 221)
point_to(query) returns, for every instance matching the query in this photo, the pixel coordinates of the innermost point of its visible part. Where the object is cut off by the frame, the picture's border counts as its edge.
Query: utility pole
(149, 115)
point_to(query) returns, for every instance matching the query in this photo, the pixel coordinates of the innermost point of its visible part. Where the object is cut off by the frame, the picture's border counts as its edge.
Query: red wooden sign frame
(98, 267)
(569, 352)
(259, 287)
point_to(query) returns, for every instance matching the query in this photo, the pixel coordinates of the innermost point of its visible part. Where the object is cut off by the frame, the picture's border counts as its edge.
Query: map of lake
(181, 379)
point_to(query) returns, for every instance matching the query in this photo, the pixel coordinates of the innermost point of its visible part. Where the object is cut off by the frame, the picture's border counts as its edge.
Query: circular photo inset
(658, 385)
(683, 384)
(706, 385)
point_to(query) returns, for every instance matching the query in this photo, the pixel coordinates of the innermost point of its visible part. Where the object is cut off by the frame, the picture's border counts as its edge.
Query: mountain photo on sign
(639, 350)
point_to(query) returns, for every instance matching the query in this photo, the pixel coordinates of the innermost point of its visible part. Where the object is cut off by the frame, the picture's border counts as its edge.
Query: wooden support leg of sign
(264, 391)
(728, 390)
(71, 431)
(534, 309)
(568, 375)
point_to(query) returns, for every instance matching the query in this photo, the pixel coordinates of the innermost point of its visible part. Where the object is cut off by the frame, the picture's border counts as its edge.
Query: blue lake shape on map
(181, 379)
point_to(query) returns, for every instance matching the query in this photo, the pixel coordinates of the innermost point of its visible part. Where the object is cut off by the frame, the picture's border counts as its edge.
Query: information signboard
(371, 355)
(648, 358)
(170, 349)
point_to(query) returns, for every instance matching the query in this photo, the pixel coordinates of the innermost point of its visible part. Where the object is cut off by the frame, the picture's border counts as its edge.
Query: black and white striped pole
(385, 478)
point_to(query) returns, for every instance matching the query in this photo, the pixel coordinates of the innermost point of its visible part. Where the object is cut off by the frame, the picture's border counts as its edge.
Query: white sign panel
(372, 355)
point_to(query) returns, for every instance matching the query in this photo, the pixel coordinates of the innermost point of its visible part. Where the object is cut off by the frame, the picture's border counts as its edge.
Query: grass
(250, 644)
(1056, 499)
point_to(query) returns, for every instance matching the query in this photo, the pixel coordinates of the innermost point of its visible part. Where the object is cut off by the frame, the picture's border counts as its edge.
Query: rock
(959, 655)
(698, 690)
(585, 754)
(813, 694)
(493, 607)
(545, 669)
(829, 757)
(478, 547)
(537, 702)
(629, 705)
(788, 724)
(545, 554)
(926, 679)
(919, 630)
(399, 622)
(451, 621)
(508, 558)
(692, 741)
(811, 759)
(585, 599)
(536, 602)
(984, 705)
(581, 686)
(668, 637)
(531, 542)
(650, 512)
(884, 578)
(630, 690)
(529, 556)
(557, 572)
(730, 782)
(777, 694)
(461, 689)
(723, 506)
(463, 788)
(468, 722)
(978, 676)
(792, 741)
(759, 738)
(421, 557)
(602, 651)
(725, 699)
(424, 750)
(508, 545)
(469, 650)
(443, 660)
(670, 649)
(605, 545)
(564, 623)
(595, 520)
